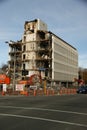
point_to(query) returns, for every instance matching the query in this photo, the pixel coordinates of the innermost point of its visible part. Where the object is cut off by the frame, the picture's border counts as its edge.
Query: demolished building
(43, 53)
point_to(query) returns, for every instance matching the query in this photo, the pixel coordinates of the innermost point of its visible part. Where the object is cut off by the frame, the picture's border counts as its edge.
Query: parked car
(82, 89)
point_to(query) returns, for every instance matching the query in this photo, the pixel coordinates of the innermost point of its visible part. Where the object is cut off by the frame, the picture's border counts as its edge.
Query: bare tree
(4, 68)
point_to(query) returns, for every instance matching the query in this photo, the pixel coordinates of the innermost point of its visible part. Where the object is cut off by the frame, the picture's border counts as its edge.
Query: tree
(4, 68)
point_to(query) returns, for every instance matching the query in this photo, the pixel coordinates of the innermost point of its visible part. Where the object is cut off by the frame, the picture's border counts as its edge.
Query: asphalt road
(68, 112)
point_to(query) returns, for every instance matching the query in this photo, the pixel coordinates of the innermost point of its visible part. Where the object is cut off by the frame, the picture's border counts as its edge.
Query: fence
(63, 91)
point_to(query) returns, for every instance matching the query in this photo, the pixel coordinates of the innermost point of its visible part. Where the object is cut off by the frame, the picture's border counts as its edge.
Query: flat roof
(35, 20)
(62, 40)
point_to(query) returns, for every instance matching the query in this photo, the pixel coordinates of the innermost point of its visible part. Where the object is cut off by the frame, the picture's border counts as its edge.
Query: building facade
(65, 60)
(43, 53)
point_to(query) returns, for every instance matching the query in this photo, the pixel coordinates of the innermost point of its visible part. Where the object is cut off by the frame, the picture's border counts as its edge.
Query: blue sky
(65, 18)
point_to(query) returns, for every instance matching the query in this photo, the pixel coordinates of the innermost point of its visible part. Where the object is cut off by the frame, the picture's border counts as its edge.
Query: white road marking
(44, 119)
(43, 109)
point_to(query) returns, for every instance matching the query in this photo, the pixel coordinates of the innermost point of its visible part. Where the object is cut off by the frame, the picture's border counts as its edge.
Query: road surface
(67, 112)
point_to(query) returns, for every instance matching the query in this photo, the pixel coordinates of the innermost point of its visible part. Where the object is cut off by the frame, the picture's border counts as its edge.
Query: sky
(65, 18)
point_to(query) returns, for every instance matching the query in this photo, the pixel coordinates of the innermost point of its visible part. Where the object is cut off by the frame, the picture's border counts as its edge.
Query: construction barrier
(67, 91)
(3, 93)
(34, 92)
(50, 92)
(24, 93)
(40, 92)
